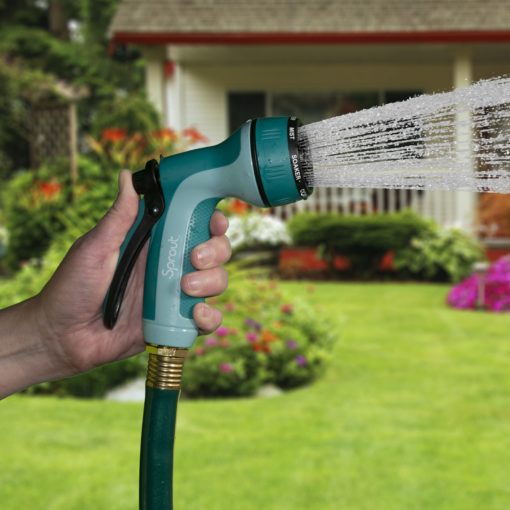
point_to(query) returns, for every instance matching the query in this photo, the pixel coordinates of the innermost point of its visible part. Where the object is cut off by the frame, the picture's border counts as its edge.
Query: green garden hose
(164, 376)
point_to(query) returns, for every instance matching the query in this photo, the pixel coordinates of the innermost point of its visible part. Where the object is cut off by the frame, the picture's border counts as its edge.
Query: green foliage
(38, 49)
(423, 250)
(25, 12)
(96, 383)
(36, 55)
(234, 371)
(267, 338)
(439, 255)
(38, 206)
(17, 86)
(131, 112)
(364, 239)
(33, 204)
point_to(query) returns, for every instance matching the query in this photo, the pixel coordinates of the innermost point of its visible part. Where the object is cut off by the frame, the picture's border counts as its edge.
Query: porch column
(466, 202)
(155, 78)
(174, 90)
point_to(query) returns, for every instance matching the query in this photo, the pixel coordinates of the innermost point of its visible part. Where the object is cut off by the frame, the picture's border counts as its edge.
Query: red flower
(194, 135)
(49, 189)
(113, 135)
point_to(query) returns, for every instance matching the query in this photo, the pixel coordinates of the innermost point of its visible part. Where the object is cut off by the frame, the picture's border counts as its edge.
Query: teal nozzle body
(259, 163)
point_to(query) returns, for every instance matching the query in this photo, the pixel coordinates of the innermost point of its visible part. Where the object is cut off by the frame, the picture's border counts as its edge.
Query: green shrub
(96, 383)
(40, 205)
(364, 239)
(267, 338)
(132, 112)
(33, 202)
(439, 255)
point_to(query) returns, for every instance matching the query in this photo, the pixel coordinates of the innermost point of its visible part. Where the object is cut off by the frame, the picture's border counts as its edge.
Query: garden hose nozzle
(261, 163)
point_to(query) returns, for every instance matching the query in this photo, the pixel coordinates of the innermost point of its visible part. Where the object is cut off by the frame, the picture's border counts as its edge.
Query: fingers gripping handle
(198, 233)
(167, 310)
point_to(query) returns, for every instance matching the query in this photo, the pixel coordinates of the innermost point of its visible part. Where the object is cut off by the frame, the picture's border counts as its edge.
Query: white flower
(255, 229)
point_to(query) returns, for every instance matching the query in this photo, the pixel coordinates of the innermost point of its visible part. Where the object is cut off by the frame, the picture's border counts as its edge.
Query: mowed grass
(413, 413)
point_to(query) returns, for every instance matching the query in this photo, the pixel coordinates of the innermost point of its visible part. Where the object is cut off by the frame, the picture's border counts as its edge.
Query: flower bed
(491, 292)
(266, 338)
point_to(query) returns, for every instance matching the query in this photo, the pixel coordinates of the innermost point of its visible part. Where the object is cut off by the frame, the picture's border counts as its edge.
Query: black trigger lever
(146, 183)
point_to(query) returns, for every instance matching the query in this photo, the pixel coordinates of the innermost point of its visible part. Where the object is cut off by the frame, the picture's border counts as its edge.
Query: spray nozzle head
(278, 158)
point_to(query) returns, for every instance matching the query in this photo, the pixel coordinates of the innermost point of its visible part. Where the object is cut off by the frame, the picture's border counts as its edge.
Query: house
(215, 63)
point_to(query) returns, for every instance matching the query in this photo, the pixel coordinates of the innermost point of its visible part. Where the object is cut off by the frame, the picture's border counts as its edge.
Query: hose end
(165, 367)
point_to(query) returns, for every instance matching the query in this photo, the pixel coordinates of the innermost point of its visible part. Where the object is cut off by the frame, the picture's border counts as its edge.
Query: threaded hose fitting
(165, 367)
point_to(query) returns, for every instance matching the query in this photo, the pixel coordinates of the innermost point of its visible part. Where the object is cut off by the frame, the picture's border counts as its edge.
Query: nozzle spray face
(278, 160)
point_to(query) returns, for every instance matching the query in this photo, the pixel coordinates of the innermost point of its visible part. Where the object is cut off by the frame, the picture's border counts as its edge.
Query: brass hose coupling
(165, 366)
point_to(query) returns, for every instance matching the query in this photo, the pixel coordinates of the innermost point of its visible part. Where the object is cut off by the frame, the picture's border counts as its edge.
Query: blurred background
(364, 357)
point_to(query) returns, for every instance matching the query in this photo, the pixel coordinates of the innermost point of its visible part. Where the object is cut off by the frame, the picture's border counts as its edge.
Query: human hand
(70, 306)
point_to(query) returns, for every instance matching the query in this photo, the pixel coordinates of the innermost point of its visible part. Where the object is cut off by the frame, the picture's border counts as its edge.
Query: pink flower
(211, 341)
(225, 368)
(222, 331)
(496, 289)
(292, 344)
(287, 308)
(251, 336)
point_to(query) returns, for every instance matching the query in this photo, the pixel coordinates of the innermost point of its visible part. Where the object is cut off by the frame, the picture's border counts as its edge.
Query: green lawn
(413, 413)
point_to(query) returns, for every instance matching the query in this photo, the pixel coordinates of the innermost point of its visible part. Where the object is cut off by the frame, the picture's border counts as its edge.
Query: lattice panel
(50, 133)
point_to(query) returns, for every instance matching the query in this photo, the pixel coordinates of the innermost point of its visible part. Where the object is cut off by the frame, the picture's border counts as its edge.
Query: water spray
(456, 140)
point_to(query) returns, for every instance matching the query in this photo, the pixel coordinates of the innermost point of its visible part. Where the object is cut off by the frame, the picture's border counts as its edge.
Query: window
(315, 106)
(243, 106)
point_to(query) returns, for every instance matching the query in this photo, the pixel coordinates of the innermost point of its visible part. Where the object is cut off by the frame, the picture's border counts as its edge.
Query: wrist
(26, 355)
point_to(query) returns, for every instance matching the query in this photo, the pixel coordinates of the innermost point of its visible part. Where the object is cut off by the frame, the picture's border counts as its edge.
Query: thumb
(114, 226)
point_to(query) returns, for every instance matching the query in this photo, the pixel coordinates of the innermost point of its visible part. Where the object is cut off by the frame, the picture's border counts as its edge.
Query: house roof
(272, 21)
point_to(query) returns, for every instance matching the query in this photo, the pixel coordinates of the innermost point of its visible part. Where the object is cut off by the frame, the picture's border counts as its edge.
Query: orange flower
(166, 135)
(259, 347)
(267, 336)
(194, 135)
(237, 206)
(113, 135)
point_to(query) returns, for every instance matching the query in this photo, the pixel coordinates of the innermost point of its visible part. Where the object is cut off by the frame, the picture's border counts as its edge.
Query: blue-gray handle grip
(198, 233)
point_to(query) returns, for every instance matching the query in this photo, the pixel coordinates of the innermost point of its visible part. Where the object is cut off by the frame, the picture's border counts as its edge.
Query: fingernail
(204, 255)
(206, 312)
(193, 282)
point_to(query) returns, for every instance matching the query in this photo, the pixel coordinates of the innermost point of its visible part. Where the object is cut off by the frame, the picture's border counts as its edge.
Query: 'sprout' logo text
(171, 268)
